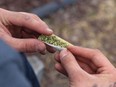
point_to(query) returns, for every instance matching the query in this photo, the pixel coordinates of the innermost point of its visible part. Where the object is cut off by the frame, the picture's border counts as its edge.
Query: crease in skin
(4, 20)
(3, 29)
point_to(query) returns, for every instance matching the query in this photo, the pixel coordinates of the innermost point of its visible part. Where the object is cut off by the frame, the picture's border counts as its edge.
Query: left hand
(20, 30)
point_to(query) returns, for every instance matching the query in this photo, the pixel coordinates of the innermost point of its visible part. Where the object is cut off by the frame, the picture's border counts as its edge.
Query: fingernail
(48, 29)
(63, 53)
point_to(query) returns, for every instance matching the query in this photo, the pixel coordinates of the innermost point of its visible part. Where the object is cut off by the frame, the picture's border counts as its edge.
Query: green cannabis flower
(54, 40)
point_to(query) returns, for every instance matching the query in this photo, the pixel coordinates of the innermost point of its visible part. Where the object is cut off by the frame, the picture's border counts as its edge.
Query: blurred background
(87, 23)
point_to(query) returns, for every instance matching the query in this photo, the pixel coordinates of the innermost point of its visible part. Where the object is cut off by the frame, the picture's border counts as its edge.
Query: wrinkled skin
(86, 67)
(20, 30)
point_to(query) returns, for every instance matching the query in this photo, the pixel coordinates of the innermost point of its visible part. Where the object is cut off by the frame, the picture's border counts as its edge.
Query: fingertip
(50, 31)
(43, 28)
(63, 53)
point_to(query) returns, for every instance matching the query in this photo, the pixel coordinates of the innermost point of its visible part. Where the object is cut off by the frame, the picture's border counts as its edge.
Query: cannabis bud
(54, 41)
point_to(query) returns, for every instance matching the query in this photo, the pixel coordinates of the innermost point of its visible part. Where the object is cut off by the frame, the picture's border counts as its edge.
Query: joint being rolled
(54, 41)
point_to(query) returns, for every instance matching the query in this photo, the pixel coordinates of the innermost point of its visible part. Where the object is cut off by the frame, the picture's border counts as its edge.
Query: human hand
(20, 30)
(86, 67)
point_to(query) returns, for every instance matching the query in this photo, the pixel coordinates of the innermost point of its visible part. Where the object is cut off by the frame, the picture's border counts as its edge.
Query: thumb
(70, 64)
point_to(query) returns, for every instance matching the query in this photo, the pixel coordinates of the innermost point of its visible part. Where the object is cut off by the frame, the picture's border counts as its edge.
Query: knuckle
(25, 16)
(25, 47)
(34, 15)
(30, 47)
(96, 52)
(34, 46)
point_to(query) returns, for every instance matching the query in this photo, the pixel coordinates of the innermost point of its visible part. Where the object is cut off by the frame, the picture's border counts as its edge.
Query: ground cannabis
(54, 40)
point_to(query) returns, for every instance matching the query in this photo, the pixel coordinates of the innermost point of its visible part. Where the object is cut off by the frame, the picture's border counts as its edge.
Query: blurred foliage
(88, 23)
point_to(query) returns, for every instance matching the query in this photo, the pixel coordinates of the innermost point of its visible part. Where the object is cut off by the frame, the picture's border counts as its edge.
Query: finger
(86, 67)
(71, 66)
(82, 64)
(94, 55)
(82, 52)
(27, 21)
(60, 69)
(50, 49)
(87, 62)
(25, 45)
(30, 45)
(32, 15)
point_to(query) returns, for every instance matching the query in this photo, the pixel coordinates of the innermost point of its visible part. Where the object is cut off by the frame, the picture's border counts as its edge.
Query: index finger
(94, 55)
(24, 20)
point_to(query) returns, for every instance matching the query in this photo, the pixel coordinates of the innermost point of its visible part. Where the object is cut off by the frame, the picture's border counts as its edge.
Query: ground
(88, 23)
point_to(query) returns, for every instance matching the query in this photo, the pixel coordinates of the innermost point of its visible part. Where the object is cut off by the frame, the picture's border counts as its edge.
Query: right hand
(86, 67)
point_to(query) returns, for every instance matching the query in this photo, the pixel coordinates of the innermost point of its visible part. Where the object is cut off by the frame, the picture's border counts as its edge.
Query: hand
(86, 67)
(20, 30)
